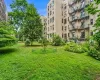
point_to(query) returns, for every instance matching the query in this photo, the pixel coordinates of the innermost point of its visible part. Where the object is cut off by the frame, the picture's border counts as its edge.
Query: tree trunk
(31, 43)
(99, 46)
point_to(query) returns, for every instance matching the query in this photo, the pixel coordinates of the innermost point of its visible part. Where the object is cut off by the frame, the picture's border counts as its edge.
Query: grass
(28, 63)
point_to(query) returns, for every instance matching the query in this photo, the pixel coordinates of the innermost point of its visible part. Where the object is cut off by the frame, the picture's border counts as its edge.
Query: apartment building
(2, 10)
(57, 19)
(80, 22)
(44, 23)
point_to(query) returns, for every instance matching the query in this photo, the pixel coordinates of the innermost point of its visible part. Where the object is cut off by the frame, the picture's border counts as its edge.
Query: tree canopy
(26, 20)
(94, 9)
(17, 16)
(33, 25)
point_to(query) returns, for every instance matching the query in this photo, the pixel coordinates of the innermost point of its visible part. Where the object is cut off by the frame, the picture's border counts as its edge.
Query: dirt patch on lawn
(97, 77)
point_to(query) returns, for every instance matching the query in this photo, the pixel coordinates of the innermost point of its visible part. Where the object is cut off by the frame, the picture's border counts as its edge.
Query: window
(73, 17)
(68, 35)
(73, 35)
(50, 12)
(50, 5)
(65, 7)
(91, 33)
(65, 21)
(53, 27)
(62, 35)
(53, 12)
(62, 20)
(65, 36)
(48, 36)
(65, 13)
(62, 13)
(83, 4)
(48, 8)
(48, 21)
(52, 20)
(82, 35)
(68, 18)
(91, 21)
(82, 24)
(82, 13)
(62, 28)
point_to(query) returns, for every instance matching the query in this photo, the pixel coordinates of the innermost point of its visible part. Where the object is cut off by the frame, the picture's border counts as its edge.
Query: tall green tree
(17, 16)
(33, 26)
(94, 9)
(26, 20)
(7, 34)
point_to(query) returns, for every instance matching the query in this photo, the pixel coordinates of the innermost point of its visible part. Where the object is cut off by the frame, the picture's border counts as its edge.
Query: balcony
(82, 39)
(74, 1)
(73, 19)
(85, 26)
(84, 16)
(73, 11)
(79, 8)
(73, 28)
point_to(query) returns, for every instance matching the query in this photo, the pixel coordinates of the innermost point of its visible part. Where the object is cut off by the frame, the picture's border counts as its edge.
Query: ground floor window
(82, 34)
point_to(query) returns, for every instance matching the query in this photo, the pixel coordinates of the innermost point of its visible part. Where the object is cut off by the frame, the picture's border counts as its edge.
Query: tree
(44, 42)
(33, 26)
(7, 36)
(26, 20)
(17, 16)
(57, 41)
(93, 9)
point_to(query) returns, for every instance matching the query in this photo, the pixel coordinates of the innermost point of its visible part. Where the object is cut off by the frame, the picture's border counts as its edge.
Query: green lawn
(23, 64)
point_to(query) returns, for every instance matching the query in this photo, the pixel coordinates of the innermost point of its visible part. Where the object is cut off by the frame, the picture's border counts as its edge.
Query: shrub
(57, 41)
(85, 46)
(63, 42)
(74, 47)
(93, 50)
(44, 43)
(94, 53)
(7, 35)
(27, 42)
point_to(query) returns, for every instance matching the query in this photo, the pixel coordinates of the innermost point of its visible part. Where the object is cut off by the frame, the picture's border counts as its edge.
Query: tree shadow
(33, 46)
(7, 50)
(46, 51)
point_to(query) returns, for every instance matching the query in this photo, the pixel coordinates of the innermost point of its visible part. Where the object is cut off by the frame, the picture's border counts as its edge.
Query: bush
(74, 47)
(93, 50)
(94, 53)
(27, 42)
(7, 35)
(57, 41)
(85, 46)
(44, 43)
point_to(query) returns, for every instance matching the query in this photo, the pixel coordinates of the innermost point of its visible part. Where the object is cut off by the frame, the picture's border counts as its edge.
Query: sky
(40, 5)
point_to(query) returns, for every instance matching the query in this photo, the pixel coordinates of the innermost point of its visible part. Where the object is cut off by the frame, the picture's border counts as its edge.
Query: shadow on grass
(33, 46)
(7, 50)
(42, 51)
